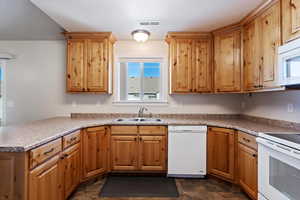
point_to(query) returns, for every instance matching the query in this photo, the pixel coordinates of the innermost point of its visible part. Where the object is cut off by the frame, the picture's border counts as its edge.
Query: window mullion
(126, 83)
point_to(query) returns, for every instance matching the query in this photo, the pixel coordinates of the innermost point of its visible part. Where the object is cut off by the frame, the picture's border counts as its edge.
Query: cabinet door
(72, 169)
(252, 67)
(269, 42)
(124, 153)
(97, 67)
(45, 181)
(221, 153)
(152, 153)
(248, 170)
(76, 62)
(227, 62)
(181, 65)
(94, 151)
(290, 19)
(203, 66)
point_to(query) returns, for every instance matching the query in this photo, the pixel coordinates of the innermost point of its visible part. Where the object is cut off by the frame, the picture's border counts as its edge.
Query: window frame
(3, 63)
(141, 61)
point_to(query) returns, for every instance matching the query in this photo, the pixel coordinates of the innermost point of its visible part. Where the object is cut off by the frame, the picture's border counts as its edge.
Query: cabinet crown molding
(187, 35)
(90, 35)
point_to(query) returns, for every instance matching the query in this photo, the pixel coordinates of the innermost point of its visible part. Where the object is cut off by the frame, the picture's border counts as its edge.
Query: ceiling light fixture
(140, 35)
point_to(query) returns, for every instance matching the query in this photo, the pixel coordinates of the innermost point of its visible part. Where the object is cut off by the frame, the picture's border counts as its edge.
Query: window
(140, 80)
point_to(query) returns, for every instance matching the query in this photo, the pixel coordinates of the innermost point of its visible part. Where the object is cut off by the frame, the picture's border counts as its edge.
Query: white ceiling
(122, 16)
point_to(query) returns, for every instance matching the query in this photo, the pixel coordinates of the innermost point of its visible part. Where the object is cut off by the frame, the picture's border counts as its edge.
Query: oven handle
(278, 147)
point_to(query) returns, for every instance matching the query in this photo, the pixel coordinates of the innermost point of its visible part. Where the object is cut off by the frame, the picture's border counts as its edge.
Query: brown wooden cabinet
(221, 147)
(46, 181)
(262, 37)
(290, 19)
(248, 170)
(124, 153)
(71, 169)
(251, 47)
(227, 60)
(190, 57)
(152, 151)
(247, 164)
(138, 148)
(76, 65)
(89, 62)
(95, 155)
(270, 40)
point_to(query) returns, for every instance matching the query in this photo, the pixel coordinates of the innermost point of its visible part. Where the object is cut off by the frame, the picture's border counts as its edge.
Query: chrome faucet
(141, 111)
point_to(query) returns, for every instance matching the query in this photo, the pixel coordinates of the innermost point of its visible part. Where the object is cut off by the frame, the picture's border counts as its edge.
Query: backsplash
(261, 120)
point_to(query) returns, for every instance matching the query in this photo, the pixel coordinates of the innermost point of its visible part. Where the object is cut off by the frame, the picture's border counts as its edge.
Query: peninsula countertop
(23, 137)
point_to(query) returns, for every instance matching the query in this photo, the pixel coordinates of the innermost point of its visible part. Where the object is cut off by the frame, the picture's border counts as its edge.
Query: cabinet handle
(46, 152)
(246, 140)
(254, 155)
(71, 140)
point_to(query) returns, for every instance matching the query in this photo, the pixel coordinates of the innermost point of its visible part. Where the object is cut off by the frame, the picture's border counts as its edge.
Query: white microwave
(289, 63)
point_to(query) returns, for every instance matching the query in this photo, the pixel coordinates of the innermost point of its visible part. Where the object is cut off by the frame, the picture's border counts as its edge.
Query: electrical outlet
(243, 105)
(290, 107)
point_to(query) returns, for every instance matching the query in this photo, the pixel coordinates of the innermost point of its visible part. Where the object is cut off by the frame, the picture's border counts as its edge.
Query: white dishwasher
(187, 151)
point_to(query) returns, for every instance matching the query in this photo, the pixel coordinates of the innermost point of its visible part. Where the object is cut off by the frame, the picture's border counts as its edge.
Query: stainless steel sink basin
(150, 120)
(138, 120)
(128, 119)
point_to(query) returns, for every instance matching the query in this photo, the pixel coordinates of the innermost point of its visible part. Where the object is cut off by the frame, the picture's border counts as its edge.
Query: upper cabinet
(261, 39)
(190, 57)
(89, 62)
(290, 19)
(252, 67)
(270, 40)
(227, 60)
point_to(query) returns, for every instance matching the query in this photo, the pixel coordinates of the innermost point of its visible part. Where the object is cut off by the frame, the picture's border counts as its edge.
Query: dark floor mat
(139, 186)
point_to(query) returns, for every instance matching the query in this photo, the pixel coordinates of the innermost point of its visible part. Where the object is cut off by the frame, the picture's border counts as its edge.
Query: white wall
(273, 105)
(36, 84)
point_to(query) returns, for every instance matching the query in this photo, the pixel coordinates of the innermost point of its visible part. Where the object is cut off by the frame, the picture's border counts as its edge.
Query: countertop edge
(58, 135)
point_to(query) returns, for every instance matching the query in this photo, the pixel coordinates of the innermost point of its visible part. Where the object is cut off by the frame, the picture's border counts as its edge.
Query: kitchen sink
(138, 120)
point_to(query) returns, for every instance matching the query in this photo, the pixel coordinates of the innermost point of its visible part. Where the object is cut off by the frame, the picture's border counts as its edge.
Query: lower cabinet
(141, 148)
(71, 169)
(152, 150)
(247, 157)
(124, 153)
(95, 144)
(232, 156)
(46, 181)
(221, 146)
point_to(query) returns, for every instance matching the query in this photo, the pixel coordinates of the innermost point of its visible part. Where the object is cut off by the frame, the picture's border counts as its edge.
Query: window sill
(161, 102)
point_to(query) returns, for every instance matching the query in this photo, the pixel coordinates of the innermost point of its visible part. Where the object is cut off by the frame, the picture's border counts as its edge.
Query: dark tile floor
(189, 189)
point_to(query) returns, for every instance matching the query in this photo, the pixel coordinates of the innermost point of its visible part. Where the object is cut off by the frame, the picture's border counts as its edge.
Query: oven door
(278, 171)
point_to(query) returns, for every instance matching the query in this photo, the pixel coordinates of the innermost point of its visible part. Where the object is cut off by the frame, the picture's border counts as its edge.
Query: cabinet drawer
(71, 139)
(152, 130)
(126, 130)
(96, 129)
(247, 140)
(44, 152)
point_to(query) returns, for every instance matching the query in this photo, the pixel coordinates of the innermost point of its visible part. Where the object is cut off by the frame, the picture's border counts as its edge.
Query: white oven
(278, 171)
(289, 63)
